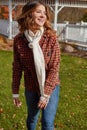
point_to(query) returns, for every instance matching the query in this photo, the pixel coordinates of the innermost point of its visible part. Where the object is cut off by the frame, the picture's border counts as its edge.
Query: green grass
(72, 109)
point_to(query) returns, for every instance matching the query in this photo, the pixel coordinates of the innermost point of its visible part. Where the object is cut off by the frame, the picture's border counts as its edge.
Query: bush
(85, 17)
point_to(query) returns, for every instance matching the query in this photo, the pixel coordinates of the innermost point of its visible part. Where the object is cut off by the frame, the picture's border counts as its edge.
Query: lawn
(72, 109)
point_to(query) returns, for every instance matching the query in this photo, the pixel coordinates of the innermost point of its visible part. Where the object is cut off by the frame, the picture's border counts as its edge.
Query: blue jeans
(48, 114)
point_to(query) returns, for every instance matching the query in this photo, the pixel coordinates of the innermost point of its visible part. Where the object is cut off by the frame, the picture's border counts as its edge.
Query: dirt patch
(76, 51)
(5, 43)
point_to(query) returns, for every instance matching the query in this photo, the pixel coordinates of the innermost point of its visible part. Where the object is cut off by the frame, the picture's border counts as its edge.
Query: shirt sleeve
(16, 70)
(53, 71)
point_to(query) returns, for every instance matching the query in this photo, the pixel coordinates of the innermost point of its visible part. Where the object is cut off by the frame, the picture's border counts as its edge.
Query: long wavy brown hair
(25, 20)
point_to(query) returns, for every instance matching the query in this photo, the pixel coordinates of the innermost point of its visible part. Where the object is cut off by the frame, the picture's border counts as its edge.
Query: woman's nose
(43, 15)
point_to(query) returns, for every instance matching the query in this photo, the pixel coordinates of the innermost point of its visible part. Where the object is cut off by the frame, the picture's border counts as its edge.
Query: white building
(55, 5)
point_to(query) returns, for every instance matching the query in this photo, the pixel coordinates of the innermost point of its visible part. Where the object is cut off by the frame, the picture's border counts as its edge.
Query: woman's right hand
(17, 102)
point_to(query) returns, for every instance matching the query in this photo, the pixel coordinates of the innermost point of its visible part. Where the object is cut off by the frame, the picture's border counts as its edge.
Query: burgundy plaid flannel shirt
(23, 62)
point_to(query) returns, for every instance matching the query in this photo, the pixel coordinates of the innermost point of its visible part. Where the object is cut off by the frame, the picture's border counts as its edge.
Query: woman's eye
(41, 12)
(38, 11)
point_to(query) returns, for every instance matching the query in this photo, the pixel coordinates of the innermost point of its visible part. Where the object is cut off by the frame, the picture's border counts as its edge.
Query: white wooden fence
(67, 32)
(73, 33)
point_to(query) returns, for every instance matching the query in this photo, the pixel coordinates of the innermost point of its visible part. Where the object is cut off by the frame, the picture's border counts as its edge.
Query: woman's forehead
(41, 7)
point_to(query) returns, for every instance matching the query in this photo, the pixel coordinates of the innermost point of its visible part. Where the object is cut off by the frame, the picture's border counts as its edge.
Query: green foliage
(72, 109)
(85, 17)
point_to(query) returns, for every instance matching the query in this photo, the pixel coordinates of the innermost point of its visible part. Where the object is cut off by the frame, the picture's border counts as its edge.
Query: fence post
(81, 29)
(10, 19)
(66, 31)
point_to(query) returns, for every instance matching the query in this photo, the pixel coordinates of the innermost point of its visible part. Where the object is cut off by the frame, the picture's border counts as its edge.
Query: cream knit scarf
(33, 40)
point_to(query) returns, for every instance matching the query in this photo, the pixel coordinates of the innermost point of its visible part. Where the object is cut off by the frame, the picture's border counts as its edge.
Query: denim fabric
(48, 114)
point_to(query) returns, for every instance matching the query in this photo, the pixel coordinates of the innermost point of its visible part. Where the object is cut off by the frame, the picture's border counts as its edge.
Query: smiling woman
(39, 15)
(37, 53)
(34, 15)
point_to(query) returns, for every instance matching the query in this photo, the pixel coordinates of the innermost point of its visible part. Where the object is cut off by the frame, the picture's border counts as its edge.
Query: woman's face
(39, 15)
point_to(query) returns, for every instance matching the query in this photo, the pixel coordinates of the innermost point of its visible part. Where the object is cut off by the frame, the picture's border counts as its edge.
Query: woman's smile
(39, 15)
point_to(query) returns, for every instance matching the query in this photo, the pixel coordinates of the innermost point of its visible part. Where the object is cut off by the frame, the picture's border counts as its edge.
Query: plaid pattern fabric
(23, 62)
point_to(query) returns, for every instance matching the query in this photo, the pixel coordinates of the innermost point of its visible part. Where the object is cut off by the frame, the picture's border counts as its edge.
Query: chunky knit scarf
(33, 40)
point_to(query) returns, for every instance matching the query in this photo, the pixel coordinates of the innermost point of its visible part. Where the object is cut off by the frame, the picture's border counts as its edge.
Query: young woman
(37, 54)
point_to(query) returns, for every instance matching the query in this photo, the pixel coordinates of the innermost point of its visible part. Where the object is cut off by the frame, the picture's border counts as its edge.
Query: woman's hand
(43, 102)
(17, 102)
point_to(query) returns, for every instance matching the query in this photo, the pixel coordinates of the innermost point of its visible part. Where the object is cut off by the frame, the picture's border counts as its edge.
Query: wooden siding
(50, 2)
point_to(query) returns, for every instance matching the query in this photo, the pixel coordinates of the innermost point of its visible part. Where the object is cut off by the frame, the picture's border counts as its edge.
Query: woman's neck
(34, 30)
